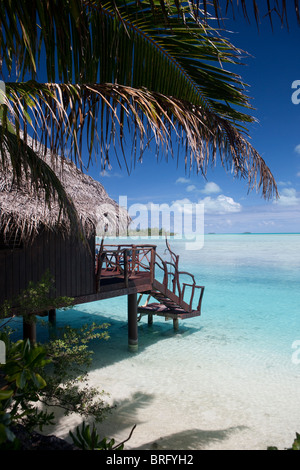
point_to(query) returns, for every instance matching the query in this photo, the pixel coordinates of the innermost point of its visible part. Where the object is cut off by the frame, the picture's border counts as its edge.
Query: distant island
(149, 232)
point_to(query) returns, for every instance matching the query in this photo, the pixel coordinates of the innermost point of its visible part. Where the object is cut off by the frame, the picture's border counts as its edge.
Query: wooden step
(166, 301)
(161, 310)
(170, 295)
(171, 304)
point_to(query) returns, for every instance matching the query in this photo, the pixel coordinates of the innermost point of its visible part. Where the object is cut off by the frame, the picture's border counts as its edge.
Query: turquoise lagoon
(229, 379)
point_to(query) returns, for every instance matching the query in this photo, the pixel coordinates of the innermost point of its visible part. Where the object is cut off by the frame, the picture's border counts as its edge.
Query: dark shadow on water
(115, 349)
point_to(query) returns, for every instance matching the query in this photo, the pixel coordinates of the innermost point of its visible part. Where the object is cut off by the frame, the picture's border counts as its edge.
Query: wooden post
(52, 316)
(175, 324)
(150, 319)
(132, 323)
(52, 323)
(29, 328)
(126, 267)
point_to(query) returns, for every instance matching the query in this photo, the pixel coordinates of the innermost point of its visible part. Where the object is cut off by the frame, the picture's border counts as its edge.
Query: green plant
(51, 374)
(85, 439)
(20, 384)
(67, 385)
(40, 296)
(37, 297)
(295, 445)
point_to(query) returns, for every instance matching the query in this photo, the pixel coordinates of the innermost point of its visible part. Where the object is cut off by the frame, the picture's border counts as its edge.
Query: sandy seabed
(214, 399)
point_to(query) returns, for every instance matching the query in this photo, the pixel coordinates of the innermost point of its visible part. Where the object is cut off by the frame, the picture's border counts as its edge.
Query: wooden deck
(115, 286)
(138, 269)
(130, 269)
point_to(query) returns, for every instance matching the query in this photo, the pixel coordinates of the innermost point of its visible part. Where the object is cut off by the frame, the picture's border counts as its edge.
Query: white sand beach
(208, 400)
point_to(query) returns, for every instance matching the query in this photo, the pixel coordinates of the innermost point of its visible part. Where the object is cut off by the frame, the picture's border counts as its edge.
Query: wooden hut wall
(69, 260)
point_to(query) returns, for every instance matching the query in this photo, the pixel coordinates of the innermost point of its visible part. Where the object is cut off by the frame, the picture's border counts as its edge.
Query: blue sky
(270, 72)
(228, 206)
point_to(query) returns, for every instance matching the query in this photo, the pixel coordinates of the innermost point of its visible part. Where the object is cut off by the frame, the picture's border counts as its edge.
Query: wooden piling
(52, 316)
(29, 328)
(132, 323)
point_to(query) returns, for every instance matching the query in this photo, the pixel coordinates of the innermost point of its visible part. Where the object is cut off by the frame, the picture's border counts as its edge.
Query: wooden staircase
(120, 268)
(171, 303)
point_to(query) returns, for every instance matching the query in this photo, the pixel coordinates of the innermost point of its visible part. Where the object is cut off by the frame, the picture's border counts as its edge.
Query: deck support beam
(29, 328)
(132, 323)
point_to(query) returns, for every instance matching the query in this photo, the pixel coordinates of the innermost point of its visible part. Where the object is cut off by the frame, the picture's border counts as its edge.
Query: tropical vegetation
(36, 379)
(84, 78)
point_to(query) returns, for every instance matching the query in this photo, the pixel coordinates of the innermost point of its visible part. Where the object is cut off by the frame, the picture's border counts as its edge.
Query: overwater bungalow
(35, 238)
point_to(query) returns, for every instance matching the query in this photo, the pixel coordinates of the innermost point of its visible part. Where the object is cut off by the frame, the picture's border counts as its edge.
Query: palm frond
(120, 42)
(271, 8)
(153, 66)
(70, 112)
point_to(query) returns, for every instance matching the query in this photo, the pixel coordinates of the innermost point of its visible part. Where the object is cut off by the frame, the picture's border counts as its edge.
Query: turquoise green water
(229, 379)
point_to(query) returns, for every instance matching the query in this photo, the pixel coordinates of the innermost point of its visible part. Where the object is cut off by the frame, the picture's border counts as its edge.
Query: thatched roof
(23, 211)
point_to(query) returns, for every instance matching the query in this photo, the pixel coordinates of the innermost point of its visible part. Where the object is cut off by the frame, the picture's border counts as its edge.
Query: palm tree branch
(273, 8)
(110, 42)
(65, 108)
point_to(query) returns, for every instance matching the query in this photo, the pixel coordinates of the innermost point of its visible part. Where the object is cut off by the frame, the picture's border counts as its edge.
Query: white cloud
(297, 149)
(190, 188)
(220, 205)
(298, 174)
(109, 174)
(183, 180)
(182, 201)
(184, 206)
(211, 188)
(288, 197)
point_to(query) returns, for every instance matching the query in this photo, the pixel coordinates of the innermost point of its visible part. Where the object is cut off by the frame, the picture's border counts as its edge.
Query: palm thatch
(24, 211)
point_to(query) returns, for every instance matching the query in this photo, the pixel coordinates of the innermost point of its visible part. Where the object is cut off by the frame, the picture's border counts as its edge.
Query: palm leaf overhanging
(147, 71)
(272, 9)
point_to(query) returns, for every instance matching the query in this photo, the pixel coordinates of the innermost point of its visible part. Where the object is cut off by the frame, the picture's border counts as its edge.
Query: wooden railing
(172, 280)
(129, 260)
(125, 261)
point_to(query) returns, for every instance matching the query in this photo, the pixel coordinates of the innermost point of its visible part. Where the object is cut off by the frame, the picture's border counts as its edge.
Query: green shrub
(295, 445)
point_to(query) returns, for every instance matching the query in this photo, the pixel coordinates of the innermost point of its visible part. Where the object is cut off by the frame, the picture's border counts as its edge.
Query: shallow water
(229, 379)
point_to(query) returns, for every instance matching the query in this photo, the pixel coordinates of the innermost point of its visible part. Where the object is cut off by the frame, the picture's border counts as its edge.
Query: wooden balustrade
(126, 261)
